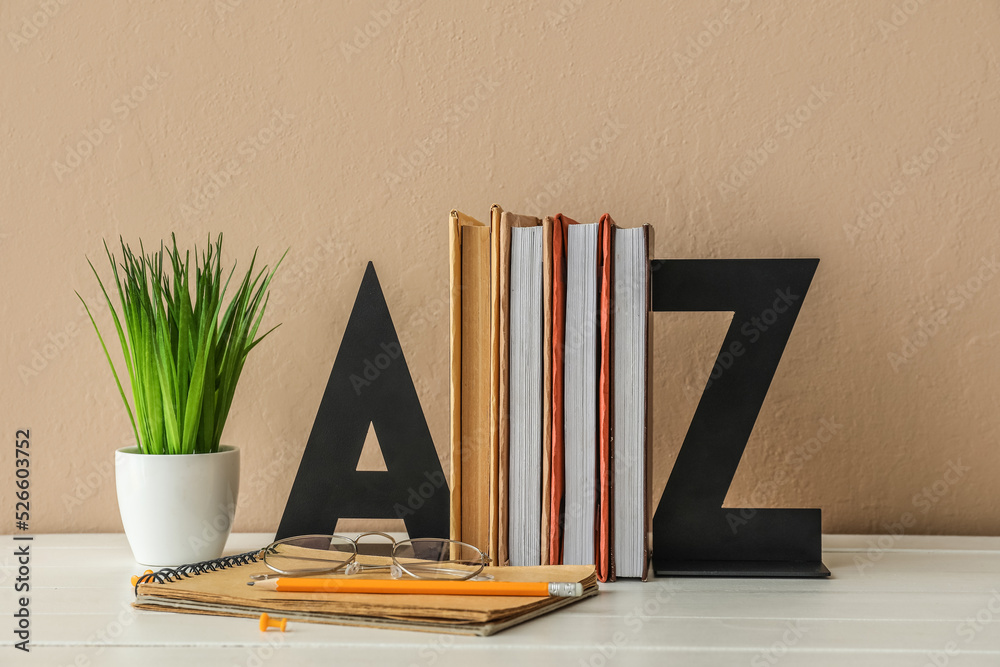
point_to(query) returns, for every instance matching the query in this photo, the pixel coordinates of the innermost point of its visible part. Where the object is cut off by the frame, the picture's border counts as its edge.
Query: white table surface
(907, 600)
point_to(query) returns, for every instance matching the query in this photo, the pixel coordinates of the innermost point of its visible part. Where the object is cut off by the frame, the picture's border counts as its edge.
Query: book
(525, 388)
(508, 221)
(219, 588)
(605, 561)
(548, 226)
(470, 380)
(580, 377)
(630, 401)
(495, 214)
(558, 315)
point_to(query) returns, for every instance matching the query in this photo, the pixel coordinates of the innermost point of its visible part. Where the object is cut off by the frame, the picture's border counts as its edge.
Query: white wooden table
(891, 601)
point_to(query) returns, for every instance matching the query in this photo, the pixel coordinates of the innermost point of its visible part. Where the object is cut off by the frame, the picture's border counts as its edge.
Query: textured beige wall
(646, 110)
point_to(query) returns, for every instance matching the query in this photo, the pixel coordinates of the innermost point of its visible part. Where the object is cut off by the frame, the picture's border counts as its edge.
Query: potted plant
(184, 352)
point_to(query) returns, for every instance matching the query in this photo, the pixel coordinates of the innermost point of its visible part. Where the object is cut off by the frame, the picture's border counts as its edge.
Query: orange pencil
(420, 587)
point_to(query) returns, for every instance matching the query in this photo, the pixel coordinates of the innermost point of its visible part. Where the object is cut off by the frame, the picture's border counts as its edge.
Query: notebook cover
(224, 592)
(558, 465)
(507, 220)
(605, 473)
(495, 214)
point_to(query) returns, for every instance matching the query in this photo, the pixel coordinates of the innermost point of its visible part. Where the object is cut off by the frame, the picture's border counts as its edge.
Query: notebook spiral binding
(168, 574)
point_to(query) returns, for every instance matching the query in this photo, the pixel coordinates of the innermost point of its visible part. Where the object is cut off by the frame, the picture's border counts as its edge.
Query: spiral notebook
(219, 588)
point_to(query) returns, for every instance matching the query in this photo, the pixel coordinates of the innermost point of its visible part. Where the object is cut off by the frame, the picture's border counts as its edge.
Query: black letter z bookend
(369, 384)
(693, 534)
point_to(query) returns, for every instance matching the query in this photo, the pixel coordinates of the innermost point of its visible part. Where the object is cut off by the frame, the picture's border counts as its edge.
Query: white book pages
(580, 368)
(629, 378)
(525, 452)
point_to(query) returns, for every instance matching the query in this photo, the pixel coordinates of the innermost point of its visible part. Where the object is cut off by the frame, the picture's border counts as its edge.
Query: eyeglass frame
(351, 566)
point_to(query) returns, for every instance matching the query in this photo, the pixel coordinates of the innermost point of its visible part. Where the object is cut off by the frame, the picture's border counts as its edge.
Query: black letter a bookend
(369, 384)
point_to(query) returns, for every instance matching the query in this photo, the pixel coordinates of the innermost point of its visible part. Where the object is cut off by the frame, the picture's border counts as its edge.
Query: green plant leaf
(183, 349)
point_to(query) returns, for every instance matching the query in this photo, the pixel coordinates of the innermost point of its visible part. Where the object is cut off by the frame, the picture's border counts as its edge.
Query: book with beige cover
(471, 373)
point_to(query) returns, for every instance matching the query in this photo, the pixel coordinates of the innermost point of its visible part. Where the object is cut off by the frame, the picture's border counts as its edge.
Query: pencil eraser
(565, 589)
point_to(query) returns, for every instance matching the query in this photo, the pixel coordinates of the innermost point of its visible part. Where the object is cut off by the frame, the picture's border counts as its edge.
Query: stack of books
(549, 390)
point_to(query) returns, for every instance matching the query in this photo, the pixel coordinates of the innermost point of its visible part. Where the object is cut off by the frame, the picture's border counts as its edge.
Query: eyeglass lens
(438, 559)
(310, 553)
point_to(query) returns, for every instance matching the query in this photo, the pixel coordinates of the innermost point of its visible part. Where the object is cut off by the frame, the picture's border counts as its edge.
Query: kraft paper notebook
(219, 588)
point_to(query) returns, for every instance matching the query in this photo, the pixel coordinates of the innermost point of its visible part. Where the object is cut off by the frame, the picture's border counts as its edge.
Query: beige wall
(903, 109)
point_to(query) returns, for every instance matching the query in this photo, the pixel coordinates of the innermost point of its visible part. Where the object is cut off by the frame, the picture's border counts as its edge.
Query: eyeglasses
(421, 558)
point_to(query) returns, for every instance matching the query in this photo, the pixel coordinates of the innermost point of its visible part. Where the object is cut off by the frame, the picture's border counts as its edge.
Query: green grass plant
(183, 359)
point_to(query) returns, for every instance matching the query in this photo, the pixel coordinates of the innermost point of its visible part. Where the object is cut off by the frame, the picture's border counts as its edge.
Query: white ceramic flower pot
(177, 509)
